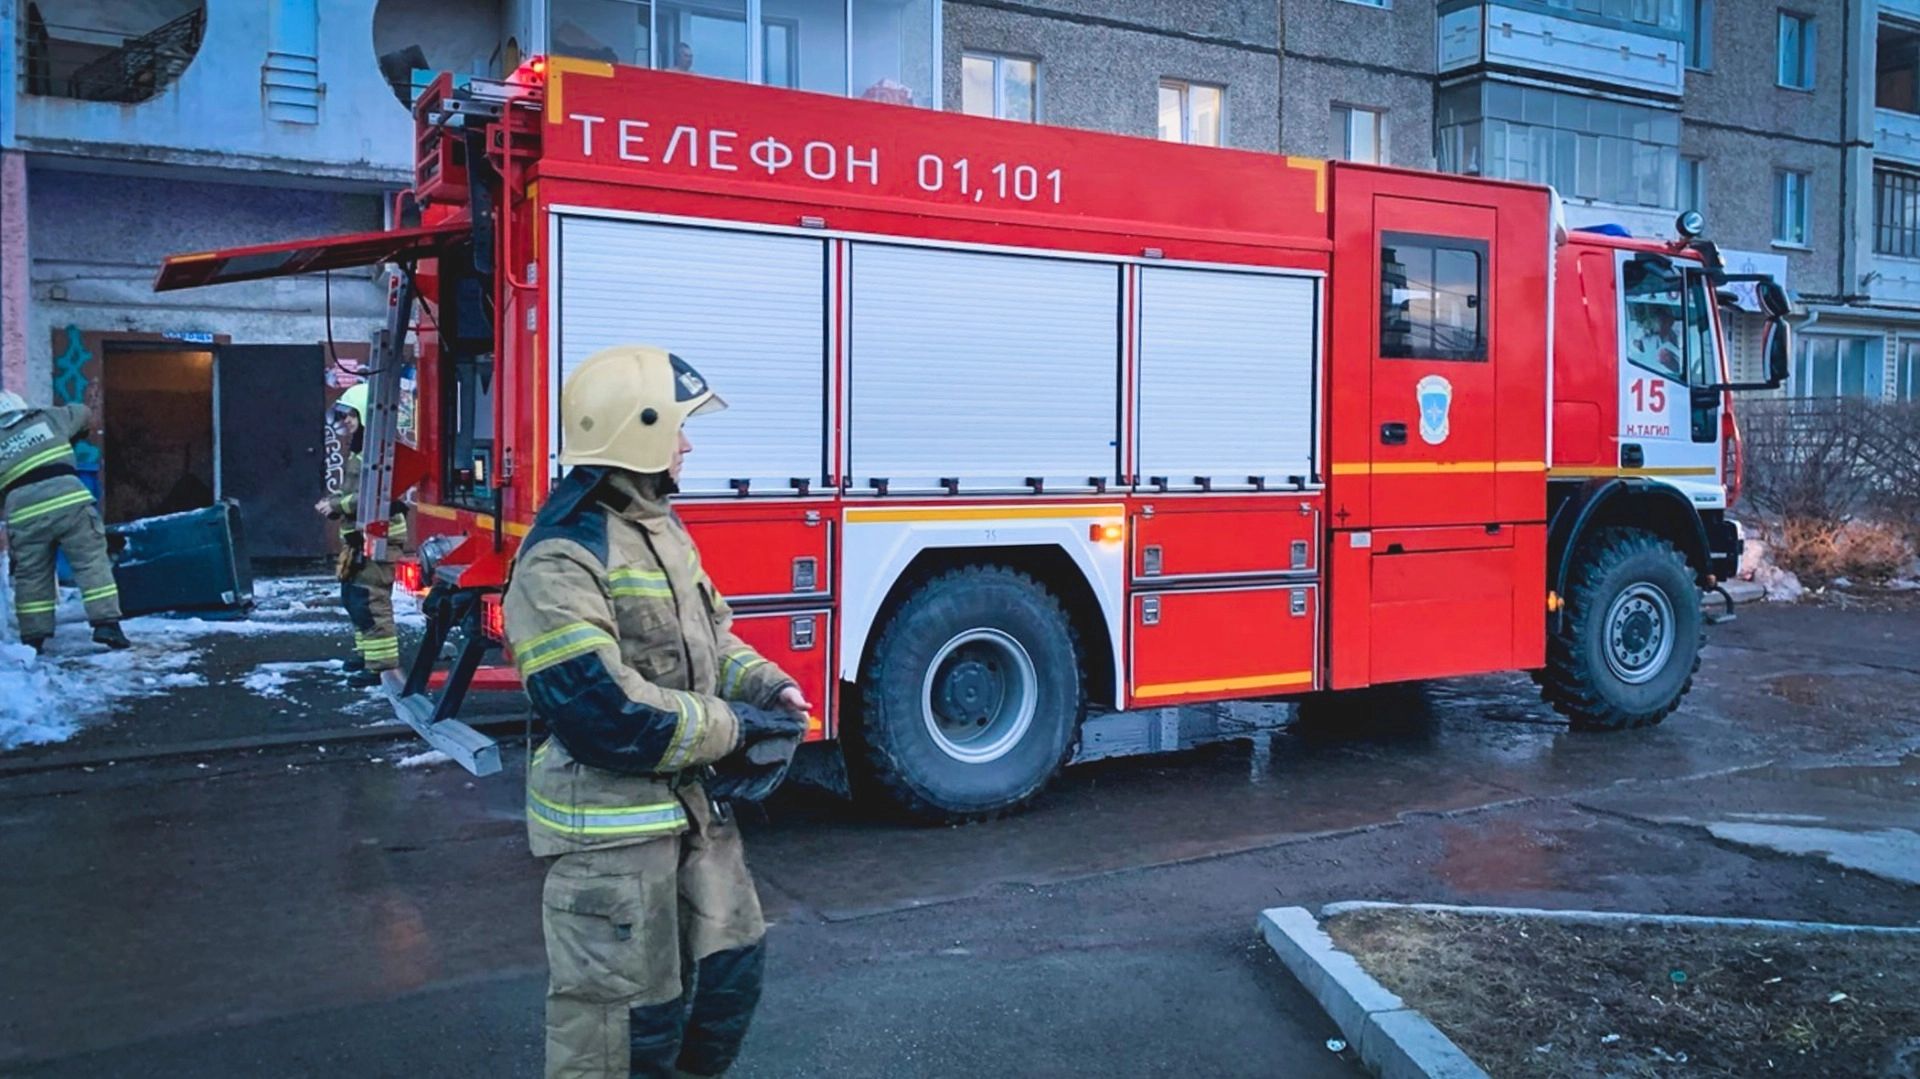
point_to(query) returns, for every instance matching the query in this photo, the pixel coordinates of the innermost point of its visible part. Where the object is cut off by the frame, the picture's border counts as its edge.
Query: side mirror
(1773, 299)
(1778, 348)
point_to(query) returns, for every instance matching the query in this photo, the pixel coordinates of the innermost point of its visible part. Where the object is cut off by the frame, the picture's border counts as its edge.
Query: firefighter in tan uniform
(366, 585)
(47, 509)
(626, 650)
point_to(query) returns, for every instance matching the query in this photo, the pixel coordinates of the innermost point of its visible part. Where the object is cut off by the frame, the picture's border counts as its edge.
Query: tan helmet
(623, 406)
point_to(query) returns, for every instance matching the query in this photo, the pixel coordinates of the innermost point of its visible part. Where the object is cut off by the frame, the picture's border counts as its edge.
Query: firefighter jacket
(627, 651)
(344, 505)
(37, 468)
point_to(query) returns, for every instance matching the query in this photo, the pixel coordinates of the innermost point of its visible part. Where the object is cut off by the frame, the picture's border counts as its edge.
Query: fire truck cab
(1037, 432)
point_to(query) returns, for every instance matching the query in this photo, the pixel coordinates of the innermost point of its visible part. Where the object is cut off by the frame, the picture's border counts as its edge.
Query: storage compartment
(1279, 536)
(776, 553)
(1218, 644)
(798, 643)
(986, 369)
(1226, 377)
(1437, 614)
(747, 310)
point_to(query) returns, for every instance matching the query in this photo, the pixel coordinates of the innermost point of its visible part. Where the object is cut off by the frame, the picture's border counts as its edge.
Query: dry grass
(1817, 551)
(1530, 998)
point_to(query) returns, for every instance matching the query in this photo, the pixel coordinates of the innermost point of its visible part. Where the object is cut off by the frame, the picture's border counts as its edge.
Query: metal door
(1435, 410)
(270, 417)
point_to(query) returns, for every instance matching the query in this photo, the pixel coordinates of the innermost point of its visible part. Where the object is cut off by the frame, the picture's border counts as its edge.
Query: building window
(1692, 191)
(1830, 365)
(1664, 14)
(880, 50)
(1700, 35)
(1896, 213)
(1358, 134)
(1896, 64)
(1002, 86)
(1431, 297)
(1372, 3)
(1192, 112)
(1797, 40)
(1790, 208)
(1908, 386)
(1586, 147)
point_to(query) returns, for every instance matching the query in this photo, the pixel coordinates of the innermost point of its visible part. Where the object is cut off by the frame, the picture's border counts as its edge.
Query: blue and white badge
(1435, 395)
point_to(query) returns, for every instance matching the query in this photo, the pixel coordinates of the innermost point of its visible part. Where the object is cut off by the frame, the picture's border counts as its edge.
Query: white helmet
(624, 407)
(12, 402)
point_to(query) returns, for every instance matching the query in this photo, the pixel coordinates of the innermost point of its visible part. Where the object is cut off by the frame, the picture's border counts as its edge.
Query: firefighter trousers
(367, 594)
(654, 954)
(75, 530)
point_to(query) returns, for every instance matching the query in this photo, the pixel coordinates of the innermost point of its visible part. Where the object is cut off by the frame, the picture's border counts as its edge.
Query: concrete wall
(94, 271)
(1321, 67)
(1745, 126)
(213, 114)
(1100, 64)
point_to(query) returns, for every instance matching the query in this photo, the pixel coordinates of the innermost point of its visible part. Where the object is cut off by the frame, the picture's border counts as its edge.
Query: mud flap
(434, 719)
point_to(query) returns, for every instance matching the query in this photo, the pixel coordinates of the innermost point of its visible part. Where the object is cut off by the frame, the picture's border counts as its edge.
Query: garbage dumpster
(191, 561)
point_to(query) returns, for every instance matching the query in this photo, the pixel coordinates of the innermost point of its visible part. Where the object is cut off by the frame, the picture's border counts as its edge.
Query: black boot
(108, 633)
(363, 678)
(38, 644)
(355, 664)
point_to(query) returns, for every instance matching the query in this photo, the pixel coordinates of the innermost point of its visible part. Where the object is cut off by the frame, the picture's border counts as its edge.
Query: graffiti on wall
(70, 388)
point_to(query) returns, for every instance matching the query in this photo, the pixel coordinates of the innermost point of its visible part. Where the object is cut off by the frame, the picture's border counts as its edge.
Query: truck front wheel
(971, 699)
(1629, 638)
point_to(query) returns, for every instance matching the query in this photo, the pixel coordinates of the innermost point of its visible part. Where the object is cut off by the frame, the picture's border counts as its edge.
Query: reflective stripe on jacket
(627, 651)
(41, 440)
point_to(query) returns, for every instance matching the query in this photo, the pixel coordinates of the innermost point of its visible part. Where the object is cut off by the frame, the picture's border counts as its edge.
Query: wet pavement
(290, 911)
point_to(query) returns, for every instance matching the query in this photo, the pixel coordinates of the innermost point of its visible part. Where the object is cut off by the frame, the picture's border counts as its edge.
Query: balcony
(1595, 41)
(231, 84)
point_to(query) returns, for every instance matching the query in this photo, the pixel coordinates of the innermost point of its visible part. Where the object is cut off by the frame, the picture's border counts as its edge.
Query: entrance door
(157, 430)
(272, 425)
(1435, 411)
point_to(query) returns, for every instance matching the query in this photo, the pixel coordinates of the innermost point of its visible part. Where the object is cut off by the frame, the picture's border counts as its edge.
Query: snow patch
(271, 679)
(47, 698)
(423, 760)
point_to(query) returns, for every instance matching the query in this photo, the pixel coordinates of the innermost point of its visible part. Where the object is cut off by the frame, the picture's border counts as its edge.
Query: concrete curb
(1392, 1039)
(1614, 917)
(1397, 1042)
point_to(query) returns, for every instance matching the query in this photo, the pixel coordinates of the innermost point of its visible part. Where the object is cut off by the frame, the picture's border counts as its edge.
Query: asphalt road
(293, 912)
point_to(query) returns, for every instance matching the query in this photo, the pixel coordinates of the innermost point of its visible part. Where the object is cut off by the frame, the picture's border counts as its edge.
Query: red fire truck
(1030, 424)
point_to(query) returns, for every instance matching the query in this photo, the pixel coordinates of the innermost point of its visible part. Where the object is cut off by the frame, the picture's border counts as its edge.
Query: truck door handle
(1393, 434)
(1632, 455)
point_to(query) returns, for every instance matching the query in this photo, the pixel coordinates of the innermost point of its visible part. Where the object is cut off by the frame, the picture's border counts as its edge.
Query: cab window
(1655, 334)
(1432, 297)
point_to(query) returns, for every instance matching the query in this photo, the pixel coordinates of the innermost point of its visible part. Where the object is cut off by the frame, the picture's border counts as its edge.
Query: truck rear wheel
(1629, 640)
(971, 699)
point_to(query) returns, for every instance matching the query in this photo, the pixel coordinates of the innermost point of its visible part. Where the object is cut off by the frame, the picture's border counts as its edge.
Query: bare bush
(1832, 460)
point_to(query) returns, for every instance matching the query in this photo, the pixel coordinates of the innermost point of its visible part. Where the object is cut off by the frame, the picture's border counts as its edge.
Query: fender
(1592, 501)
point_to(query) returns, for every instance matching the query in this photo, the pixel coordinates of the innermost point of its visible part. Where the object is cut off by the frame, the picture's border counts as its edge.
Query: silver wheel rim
(1639, 633)
(979, 695)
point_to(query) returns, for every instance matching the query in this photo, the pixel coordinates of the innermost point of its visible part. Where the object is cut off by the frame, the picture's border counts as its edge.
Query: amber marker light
(1105, 533)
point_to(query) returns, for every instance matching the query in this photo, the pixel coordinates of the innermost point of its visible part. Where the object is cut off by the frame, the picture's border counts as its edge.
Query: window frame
(754, 31)
(1482, 350)
(1698, 14)
(999, 61)
(1805, 61)
(1696, 192)
(1783, 180)
(1873, 374)
(1345, 112)
(1906, 369)
(1185, 87)
(1896, 234)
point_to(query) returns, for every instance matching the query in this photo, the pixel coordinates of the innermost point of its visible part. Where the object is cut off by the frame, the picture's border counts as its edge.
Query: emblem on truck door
(1435, 395)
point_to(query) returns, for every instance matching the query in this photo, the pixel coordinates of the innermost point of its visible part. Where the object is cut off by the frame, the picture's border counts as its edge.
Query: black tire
(911, 756)
(1580, 681)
